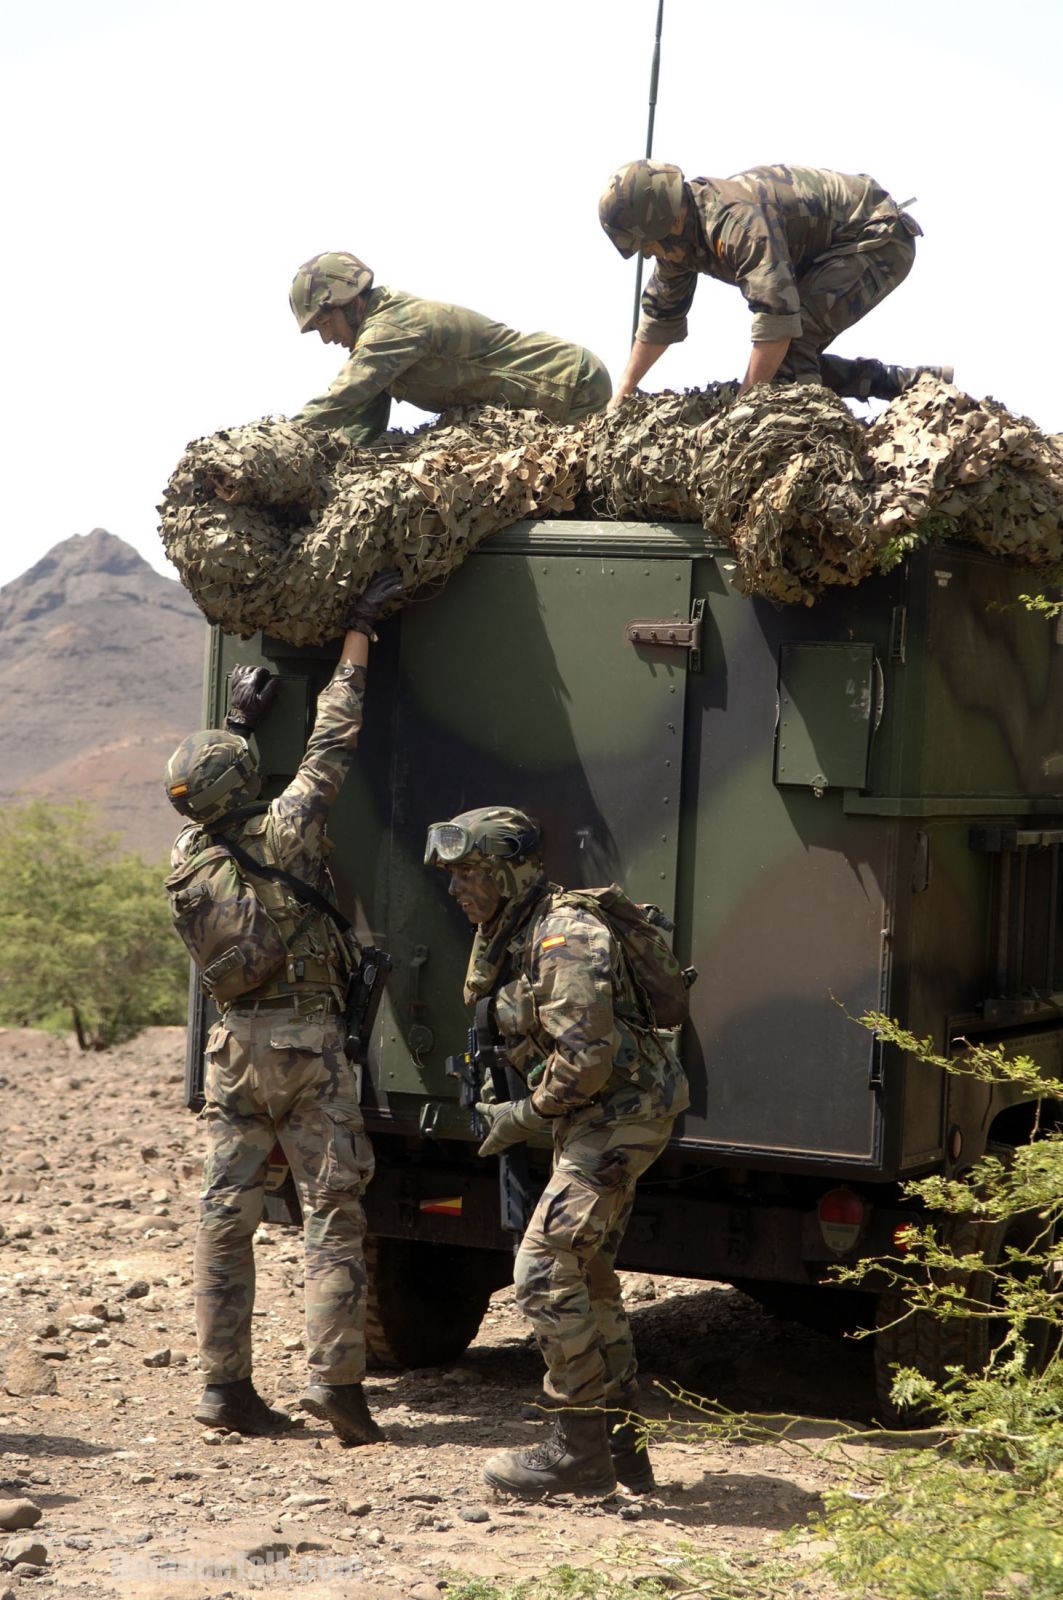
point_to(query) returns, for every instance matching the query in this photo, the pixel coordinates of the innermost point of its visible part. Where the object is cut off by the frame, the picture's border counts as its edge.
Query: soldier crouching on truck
(431, 354)
(811, 250)
(603, 1084)
(276, 1067)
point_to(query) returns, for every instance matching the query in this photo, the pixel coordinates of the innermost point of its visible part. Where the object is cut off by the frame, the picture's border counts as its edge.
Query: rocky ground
(100, 1164)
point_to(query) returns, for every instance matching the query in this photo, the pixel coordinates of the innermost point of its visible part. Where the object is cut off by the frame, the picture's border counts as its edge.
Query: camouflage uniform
(276, 1070)
(574, 1029)
(438, 355)
(811, 250)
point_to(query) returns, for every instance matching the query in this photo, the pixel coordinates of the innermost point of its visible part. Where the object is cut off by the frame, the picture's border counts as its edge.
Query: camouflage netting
(277, 526)
(807, 495)
(984, 475)
(776, 475)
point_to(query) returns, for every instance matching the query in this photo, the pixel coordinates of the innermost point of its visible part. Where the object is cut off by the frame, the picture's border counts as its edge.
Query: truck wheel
(425, 1302)
(932, 1344)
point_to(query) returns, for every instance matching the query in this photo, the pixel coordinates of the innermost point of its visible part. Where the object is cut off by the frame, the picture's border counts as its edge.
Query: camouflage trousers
(277, 1075)
(836, 292)
(592, 390)
(564, 1271)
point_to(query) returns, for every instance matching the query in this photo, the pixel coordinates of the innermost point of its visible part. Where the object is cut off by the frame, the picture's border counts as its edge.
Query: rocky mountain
(101, 660)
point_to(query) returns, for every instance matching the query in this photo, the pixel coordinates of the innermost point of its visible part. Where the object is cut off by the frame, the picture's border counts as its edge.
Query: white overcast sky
(171, 162)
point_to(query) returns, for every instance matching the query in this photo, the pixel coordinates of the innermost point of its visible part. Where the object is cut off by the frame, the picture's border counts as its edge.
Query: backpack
(661, 984)
(226, 929)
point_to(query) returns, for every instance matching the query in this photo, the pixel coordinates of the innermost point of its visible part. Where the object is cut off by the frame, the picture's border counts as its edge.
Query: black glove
(252, 690)
(373, 599)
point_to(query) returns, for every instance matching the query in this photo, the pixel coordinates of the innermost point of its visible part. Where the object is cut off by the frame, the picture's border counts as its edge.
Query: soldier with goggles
(605, 1086)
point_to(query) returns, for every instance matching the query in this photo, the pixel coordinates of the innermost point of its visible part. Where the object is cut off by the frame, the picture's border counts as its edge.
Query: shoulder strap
(303, 892)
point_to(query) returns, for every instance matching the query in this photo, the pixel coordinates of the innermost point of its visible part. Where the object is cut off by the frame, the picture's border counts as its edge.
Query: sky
(171, 162)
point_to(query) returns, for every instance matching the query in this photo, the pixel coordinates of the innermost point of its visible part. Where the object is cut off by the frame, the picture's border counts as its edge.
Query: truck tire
(932, 1344)
(424, 1301)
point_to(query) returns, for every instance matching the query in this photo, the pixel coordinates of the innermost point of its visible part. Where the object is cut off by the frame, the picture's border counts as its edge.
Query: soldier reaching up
(276, 1067)
(603, 1084)
(432, 354)
(812, 252)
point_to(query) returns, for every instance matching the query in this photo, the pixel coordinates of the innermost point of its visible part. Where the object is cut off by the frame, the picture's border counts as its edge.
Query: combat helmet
(334, 278)
(640, 204)
(500, 832)
(211, 773)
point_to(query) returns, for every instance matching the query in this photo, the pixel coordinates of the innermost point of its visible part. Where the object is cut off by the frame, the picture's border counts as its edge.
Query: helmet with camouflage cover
(210, 773)
(504, 840)
(334, 278)
(640, 204)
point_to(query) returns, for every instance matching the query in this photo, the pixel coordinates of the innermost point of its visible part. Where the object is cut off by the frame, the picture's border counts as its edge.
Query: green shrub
(85, 932)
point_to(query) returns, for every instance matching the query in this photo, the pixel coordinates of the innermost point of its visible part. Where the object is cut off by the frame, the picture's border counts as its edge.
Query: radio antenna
(654, 74)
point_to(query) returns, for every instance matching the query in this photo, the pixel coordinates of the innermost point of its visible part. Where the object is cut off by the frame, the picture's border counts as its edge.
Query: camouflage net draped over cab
(279, 526)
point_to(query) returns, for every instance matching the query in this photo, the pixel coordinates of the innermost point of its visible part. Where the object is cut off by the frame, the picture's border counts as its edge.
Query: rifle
(483, 1059)
(364, 994)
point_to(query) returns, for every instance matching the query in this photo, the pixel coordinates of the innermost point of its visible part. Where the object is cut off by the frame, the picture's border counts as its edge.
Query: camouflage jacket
(291, 834)
(438, 355)
(762, 230)
(571, 1022)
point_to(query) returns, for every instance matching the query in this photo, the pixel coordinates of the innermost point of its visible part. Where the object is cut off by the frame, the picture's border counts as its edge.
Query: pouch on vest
(662, 984)
(227, 931)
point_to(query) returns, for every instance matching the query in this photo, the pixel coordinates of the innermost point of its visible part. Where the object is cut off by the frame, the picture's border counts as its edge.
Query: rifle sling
(304, 892)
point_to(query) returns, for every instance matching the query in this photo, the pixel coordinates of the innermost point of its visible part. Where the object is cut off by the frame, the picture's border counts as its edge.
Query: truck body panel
(849, 807)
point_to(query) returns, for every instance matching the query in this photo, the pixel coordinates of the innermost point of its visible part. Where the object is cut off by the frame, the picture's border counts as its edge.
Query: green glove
(509, 1122)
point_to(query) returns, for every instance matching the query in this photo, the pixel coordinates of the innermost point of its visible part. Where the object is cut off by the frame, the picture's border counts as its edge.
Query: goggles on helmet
(450, 842)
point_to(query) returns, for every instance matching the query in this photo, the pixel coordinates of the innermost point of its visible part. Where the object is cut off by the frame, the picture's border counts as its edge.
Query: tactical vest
(296, 948)
(319, 959)
(628, 1007)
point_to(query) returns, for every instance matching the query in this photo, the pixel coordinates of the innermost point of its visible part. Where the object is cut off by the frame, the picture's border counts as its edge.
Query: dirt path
(100, 1167)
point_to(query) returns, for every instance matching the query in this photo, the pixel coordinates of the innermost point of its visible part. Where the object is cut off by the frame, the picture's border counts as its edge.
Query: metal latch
(668, 633)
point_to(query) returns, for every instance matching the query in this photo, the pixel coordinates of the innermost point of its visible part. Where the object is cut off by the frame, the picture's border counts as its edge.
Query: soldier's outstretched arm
(643, 356)
(355, 652)
(765, 359)
(359, 399)
(305, 803)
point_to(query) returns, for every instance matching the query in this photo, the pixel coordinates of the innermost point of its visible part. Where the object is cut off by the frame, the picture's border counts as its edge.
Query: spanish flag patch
(553, 942)
(447, 1206)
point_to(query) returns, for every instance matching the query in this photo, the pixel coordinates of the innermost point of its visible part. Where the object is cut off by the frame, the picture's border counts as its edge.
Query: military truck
(850, 807)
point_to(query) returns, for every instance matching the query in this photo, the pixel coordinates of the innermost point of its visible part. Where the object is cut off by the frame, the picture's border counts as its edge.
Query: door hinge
(668, 633)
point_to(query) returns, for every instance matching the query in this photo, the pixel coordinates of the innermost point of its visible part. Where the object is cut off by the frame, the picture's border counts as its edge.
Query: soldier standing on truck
(429, 353)
(811, 250)
(276, 1067)
(603, 1084)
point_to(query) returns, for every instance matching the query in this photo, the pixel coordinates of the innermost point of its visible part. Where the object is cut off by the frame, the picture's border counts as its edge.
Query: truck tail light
(841, 1214)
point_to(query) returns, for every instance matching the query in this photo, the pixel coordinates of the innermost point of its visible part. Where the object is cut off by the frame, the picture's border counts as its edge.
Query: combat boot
(344, 1406)
(575, 1459)
(632, 1466)
(239, 1408)
(898, 379)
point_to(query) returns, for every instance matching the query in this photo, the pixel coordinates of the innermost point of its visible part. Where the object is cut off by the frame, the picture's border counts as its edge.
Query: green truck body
(852, 807)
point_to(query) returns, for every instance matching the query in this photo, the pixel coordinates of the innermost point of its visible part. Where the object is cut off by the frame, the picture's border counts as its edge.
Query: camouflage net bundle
(776, 475)
(808, 496)
(983, 474)
(279, 527)
(642, 458)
